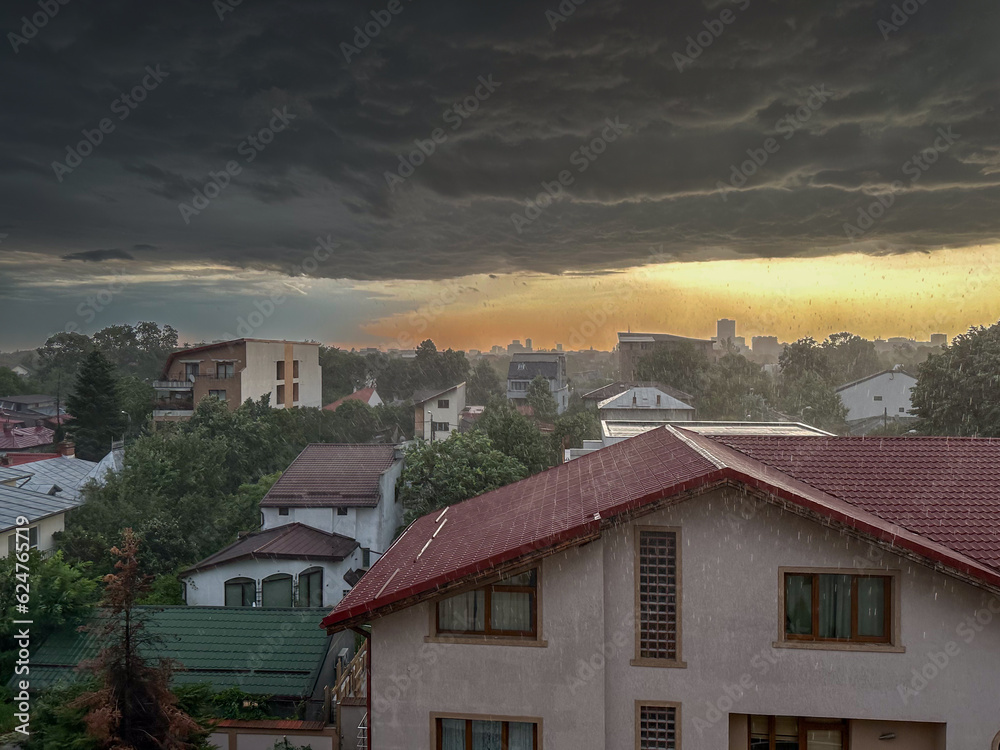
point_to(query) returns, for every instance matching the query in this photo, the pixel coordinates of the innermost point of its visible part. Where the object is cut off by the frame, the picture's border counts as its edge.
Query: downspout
(368, 680)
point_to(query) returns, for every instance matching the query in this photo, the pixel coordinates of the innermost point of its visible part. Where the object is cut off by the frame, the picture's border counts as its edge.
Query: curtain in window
(453, 734)
(798, 605)
(520, 736)
(871, 607)
(464, 612)
(486, 735)
(511, 610)
(276, 592)
(834, 606)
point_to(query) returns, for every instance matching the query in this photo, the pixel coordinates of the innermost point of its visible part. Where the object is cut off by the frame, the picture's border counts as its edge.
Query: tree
(11, 383)
(813, 400)
(60, 358)
(540, 399)
(850, 357)
(484, 383)
(572, 428)
(737, 390)
(132, 707)
(137, 402)
(515, 435)
(804, 356)
(445, 472)
(139, 350)
(681, 365)
(60, 595)
(958, 391)
(343, 372)
(96, 406)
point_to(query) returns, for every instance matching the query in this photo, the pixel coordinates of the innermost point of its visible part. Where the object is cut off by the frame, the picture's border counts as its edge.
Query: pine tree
(133, 707)
(96, 407)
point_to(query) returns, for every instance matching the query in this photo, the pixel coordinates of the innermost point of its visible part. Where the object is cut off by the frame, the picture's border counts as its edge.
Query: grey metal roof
(426, 394)
(16, 501)
(292, 541)
(528, 370)
(68, 474)
(645, 398)
(15, 473)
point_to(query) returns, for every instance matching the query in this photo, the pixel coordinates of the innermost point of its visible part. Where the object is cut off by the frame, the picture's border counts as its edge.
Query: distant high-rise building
(766, 346)
(725, 329)
(559, 347)
(497, 350)
(939, 339)
(515, 347)
(527, 345)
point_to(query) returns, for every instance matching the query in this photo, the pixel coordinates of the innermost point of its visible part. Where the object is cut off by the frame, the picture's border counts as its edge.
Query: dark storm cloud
(96, 256)
(658, 187)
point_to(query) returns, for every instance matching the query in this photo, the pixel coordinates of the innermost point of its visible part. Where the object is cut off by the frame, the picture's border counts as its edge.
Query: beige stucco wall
(46, 528)
(731, 554)
(259, 376)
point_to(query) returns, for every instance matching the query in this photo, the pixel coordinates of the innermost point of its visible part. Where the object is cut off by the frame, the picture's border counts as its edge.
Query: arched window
(311, 588)
(241, 592)
(276, 591)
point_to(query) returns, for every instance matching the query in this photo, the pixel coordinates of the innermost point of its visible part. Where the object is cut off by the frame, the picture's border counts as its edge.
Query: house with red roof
(683, 590)
(330, 515)
(367, 396)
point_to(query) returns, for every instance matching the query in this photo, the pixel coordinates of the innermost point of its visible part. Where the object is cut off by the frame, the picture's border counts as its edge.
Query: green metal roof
(261, 651)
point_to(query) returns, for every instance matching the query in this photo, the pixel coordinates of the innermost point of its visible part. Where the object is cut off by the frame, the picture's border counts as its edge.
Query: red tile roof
(365, 395)
(328, 475)
(291, 541)
(933, 497)
(16, 459)
(16, 438)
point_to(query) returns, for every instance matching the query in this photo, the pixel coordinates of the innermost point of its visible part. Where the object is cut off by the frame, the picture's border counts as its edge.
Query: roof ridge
(686, 437)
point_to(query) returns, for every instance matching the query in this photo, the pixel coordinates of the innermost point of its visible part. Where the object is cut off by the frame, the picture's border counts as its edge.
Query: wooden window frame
(295, 368)
(295, 392)
(644, 661)
(279, 370)
(437, 739)
(279, 393)
(640, 704)
(889, 642)
(488, 636)
(804, 725)
(444, 403)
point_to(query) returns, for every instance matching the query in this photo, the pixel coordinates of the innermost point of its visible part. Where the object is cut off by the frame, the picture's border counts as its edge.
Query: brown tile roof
(328, 475)
(364, 395)
(294, 540)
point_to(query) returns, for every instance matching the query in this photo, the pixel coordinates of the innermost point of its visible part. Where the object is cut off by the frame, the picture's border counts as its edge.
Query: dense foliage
(131, 707)
(958, 390)
(96, 406)
(515, 435)
(442, 473)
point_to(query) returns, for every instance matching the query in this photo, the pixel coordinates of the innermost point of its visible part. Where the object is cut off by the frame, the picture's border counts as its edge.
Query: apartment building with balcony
(234, 371)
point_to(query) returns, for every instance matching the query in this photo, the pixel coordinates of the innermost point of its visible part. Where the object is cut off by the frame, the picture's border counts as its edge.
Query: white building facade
(886, 394)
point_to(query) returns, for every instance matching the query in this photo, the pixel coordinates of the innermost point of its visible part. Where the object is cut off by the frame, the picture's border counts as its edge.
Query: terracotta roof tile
(294, 540)
(332, 475)
(935, 497)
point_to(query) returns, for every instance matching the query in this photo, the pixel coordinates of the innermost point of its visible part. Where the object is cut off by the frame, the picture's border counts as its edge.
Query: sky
(379, 173)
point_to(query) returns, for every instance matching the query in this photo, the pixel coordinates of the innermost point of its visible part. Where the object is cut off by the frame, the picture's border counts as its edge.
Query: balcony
(173, 404)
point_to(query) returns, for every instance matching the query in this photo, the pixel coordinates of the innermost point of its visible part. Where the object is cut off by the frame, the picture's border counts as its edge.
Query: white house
(340, 488)
(884, 394)
(437, 412)
(645, 403)
(290, 566)
(684, 591)
(40, 515)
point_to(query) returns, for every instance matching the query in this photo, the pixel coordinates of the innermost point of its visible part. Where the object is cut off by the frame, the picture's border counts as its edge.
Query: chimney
(67, 449)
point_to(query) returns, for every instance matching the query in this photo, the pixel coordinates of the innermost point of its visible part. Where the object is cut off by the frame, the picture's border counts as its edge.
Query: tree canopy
(681, 365)
(96, 406)
(958, 391)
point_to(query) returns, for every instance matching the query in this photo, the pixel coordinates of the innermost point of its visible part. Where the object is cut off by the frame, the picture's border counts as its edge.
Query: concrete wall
(46, 528)
(260, 375)
(412, 678)
(429, 411)
(206, 588)
(893, 387)
(373, 528)
(584, 688)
